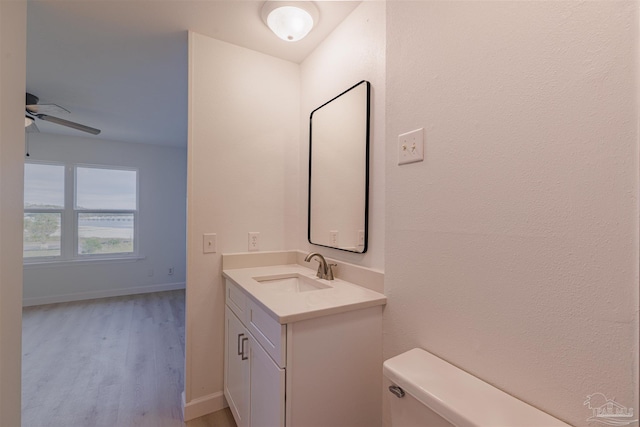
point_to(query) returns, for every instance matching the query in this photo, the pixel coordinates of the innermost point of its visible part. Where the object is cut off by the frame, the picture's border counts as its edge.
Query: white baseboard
(202, 405)
(106, 293)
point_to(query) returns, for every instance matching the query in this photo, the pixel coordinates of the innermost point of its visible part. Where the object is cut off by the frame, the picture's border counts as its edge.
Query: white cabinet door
(267, 388)
(237, 379)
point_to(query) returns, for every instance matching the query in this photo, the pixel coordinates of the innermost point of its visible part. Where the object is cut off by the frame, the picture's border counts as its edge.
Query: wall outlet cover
(254, 241)
(333, 238)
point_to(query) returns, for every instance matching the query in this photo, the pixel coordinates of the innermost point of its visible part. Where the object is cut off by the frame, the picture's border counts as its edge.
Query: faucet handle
(320, 274)
(330, 271)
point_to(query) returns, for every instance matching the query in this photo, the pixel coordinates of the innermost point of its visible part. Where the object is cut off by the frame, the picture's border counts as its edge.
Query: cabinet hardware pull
(239, 350)
(243, 341)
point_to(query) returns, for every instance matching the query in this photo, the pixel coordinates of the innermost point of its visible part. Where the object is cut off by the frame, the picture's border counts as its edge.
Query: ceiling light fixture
(27, 121)
(290, 20)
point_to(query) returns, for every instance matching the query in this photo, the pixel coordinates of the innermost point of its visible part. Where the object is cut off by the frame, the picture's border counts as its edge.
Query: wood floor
(113, 362)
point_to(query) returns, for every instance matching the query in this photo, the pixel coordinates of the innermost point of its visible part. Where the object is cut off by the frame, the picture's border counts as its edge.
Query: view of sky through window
(43, 186)
(105, 189)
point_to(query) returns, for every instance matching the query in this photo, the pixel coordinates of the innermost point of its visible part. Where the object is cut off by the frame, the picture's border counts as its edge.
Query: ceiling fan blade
(69, 124)
(47, 109)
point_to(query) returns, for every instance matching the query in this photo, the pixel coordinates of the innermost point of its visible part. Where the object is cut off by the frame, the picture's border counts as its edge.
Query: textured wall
(512, 251)
(242, 171)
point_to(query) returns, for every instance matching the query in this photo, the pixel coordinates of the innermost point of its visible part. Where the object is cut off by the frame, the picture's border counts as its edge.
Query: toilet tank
(427, 391)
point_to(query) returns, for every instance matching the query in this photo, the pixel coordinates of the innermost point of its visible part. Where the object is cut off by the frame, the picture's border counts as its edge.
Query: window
(43, 210)
(79, 212)
(105, 205)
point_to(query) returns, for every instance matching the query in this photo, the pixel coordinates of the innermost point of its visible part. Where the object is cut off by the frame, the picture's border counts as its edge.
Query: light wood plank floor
(113, 362)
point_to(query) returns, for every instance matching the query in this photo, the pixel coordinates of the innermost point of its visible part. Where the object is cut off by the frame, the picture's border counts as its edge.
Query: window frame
(69, 222)
(77, 212)
(60, 211)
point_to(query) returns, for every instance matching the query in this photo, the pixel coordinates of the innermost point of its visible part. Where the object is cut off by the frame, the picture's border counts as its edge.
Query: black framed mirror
(339, 171)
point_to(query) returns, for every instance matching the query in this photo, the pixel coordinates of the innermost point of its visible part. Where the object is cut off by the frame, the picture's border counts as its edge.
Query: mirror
(339, 171)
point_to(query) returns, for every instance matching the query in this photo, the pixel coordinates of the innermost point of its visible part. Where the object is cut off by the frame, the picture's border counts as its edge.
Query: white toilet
(426, 391)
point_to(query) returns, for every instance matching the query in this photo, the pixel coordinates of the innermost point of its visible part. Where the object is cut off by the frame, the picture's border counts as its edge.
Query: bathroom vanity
(301, 351)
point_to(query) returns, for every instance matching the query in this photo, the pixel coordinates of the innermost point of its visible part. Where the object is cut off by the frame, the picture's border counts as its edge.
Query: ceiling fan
(43, 111)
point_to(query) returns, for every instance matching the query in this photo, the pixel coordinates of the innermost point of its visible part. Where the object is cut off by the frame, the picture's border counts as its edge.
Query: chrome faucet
(325, 270)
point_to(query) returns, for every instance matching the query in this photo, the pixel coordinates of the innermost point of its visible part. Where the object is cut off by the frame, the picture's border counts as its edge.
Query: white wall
(354, 51)
(162, 176)
(512, 251)
(13, 22)
(243, 172)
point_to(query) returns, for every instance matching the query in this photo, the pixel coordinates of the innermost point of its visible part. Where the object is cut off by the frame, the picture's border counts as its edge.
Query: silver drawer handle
(240, 350)
(397, 391)
(243, 356)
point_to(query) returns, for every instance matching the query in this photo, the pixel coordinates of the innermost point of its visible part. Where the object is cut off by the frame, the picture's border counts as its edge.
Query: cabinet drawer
(268, 332)
(236, 300)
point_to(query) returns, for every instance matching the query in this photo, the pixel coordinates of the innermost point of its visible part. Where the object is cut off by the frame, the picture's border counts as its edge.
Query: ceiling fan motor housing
(32, 99)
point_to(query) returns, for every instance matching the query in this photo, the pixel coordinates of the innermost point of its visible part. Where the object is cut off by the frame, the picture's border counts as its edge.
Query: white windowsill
(76, 262)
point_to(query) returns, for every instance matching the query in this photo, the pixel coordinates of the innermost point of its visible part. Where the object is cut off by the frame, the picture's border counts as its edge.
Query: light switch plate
(411, 147)
(209, 243)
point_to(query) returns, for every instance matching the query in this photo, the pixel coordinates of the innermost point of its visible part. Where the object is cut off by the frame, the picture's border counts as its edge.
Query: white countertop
(288, 307)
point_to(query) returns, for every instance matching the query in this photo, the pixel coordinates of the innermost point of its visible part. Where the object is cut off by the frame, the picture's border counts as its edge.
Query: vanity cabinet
(236, 372)
(321, 371)
(254, 384)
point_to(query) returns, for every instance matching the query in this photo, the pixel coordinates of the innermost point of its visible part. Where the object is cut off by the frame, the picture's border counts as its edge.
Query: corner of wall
(354, 51)
(12, 88)
(240, 163)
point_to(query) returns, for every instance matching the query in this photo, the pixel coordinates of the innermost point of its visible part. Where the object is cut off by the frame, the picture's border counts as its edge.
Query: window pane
(100, 233)
(98, 188)
(41, 235)
(43, 186)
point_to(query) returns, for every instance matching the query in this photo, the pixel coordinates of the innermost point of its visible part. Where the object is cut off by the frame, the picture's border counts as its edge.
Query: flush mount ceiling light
(290, 20)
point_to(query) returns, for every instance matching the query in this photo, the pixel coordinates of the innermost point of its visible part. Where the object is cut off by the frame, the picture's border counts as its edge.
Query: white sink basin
(293, 282)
